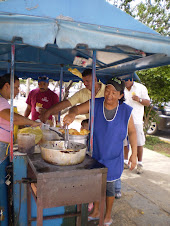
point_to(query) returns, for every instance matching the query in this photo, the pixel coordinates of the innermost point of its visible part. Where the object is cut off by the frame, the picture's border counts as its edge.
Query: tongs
(59, 134)
(66, 142)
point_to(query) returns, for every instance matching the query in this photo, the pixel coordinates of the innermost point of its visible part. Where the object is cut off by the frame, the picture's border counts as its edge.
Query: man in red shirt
(40, 99)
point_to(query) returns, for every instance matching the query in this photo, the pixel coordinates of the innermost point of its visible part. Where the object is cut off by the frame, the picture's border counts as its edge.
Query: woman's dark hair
(6, 79)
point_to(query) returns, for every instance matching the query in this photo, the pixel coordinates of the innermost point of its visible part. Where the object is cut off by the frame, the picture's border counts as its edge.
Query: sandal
(92, 218)
(108, 223)
(118, 195)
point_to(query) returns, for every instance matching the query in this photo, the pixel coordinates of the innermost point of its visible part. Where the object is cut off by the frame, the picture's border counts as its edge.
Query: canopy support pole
(12, 98)
(9, 66)
(61, 82)
(92, 101)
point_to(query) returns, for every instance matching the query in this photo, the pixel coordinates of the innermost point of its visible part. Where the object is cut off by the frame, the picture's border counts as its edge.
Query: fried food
(84, 132)
(62, 131)
(75, 132)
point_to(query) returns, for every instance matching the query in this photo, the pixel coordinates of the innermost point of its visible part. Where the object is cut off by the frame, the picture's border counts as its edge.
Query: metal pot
(49, 135)
(79, 138)
(54, 152)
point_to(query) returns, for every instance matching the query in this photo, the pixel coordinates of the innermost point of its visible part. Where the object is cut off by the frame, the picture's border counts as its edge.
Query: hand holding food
(38, 107)
(44, 116)
(42, 110)
(135, 98)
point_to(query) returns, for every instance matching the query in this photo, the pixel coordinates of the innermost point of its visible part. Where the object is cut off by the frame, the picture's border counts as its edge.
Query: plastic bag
(15, 127)
(33, 130)
(76, 72)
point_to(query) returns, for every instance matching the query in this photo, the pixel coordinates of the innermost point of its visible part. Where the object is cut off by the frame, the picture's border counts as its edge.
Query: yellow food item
(33, 130)
(76, 72)
(39, 105)
(75, 132)
(62, 131)
(58, 125)
(133, 93)
(84, 132)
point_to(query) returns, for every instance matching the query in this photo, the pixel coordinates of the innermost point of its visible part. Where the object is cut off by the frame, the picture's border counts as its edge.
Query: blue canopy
(48, 34)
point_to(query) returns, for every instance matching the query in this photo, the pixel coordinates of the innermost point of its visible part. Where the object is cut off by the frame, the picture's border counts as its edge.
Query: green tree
(157, 81)
(154, 14)
(124, 5)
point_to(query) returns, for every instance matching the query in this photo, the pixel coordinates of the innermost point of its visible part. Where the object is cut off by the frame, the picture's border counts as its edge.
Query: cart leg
(39, 213)
(29, 204)
(103, 199)
(102, 204)
(78, 221)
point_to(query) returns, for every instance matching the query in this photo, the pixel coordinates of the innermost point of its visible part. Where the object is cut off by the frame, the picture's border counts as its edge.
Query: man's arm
(27, 111)
(54, 110)
(142, 101)
(76, 110)
(144, 97)
(133, 142)
(18, 119)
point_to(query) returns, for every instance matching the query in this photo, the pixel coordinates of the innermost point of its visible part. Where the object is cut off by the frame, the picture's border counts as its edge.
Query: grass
(155, 144)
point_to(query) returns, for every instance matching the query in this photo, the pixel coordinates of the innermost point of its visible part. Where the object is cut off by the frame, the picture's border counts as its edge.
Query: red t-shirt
(45, 99)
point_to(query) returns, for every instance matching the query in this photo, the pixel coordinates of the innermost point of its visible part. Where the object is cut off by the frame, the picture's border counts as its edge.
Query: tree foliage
(154, 14)
(124, 5)
(157, 81)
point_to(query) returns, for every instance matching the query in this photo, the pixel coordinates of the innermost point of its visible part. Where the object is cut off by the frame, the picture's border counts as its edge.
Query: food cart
(42, 38)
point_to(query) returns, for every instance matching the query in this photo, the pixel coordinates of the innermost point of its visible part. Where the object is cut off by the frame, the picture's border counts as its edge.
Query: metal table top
(43, 169)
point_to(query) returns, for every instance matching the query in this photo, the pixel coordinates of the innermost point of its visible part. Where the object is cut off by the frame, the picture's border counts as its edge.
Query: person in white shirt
(136, 95)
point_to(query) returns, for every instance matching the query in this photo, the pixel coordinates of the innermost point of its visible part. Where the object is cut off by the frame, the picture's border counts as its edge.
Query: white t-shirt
(138, 109)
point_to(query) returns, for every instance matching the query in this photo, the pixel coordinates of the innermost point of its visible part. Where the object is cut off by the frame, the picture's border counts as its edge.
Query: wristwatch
(140, 100)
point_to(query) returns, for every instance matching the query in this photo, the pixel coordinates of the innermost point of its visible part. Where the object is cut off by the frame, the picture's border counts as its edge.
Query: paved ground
(145, 198)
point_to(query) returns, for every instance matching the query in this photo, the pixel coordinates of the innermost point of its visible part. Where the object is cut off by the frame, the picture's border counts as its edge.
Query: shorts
(140, 136)
(3, 148)
(110, 189)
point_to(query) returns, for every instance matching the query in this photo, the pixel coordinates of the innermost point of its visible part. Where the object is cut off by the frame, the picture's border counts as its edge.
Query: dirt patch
(162, 148)
(155, 144)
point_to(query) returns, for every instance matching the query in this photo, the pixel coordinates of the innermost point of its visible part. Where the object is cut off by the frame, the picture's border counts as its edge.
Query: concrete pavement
(145, 198)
